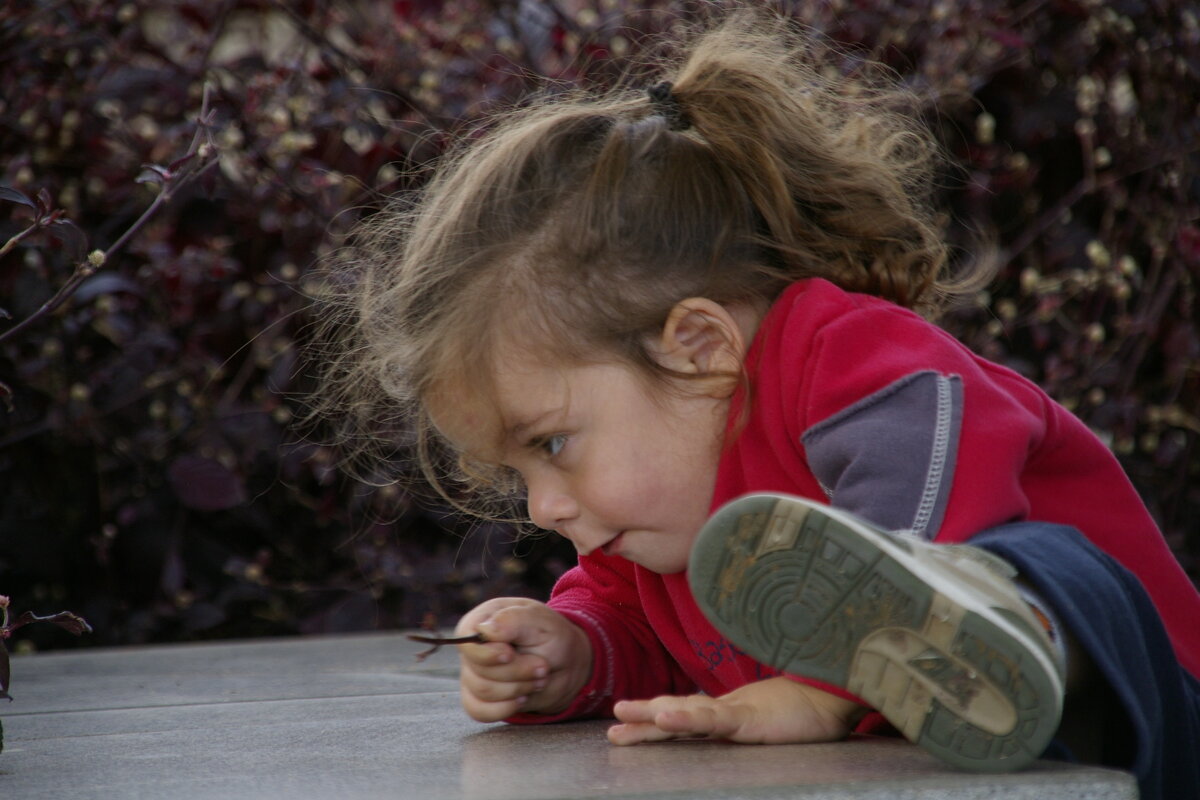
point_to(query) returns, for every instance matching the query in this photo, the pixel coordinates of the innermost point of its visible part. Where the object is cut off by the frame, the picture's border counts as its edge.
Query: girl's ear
(702, 337)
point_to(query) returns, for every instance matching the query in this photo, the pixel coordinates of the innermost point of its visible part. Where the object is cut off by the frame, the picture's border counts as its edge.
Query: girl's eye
(552, 445)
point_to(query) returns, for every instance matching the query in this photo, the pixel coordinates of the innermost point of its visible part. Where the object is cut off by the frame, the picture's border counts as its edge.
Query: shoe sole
(811, 591)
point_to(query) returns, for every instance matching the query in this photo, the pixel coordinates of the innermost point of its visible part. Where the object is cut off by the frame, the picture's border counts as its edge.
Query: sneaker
(935, 637)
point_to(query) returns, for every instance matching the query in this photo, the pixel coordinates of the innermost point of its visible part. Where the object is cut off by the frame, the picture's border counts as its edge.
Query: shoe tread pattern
(803, 592)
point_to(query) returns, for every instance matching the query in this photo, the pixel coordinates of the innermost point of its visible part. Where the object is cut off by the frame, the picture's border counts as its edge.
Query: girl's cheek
(630, 490)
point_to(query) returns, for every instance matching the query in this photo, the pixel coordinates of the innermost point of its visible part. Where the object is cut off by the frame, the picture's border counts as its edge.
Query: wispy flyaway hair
(576, 222)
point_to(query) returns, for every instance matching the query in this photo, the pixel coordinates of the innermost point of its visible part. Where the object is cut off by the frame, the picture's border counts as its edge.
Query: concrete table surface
(359, 717)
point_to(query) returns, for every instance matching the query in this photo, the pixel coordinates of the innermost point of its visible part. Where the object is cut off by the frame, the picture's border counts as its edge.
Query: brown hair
(577, 222)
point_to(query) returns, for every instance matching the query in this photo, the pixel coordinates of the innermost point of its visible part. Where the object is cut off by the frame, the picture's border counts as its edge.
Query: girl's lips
(614, 544)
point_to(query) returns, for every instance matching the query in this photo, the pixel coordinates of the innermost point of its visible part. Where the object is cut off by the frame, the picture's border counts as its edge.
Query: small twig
(64, 619)
(38, 224)
(345, 60)
(439, 642)
(1048, 218)
(72, 623)
(1083, 188)
(201, 146)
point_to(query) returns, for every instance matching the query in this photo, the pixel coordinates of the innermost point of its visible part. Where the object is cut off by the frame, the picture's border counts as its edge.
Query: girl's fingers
(707, 720)
(637, 733)
(489, 689)
(518, 667)
(511, 620)
(484, 711)
(533, 659)
(632, 711)
(488, 654)
(495, 691)
(663, 708)
(674, 717)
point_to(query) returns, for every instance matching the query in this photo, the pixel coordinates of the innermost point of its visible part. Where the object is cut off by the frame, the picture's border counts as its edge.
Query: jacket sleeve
(904, 426)
(629, 662)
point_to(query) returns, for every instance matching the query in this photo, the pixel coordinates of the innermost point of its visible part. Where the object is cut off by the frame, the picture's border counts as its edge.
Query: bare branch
(200, 157)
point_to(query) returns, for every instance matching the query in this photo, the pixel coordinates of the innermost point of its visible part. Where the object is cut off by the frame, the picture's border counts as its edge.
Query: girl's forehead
(467, 415)
(480, 414)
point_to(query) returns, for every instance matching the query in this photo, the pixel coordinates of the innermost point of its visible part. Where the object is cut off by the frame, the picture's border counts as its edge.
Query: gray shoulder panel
(890, 457)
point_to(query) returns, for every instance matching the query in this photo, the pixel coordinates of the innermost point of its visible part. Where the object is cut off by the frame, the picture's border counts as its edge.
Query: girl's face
(610, 460)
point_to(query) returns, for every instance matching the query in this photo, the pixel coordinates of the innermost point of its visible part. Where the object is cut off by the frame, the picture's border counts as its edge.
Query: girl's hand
(774, 711)
(535, 660)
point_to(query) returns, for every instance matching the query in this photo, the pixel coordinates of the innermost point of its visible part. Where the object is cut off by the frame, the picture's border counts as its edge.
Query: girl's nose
(551, 508)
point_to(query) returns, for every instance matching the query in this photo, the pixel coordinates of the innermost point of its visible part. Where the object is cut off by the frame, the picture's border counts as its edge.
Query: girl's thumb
(517, 629)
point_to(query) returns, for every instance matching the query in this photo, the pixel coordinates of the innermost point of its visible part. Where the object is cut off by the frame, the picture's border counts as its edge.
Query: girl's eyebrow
(517, 431)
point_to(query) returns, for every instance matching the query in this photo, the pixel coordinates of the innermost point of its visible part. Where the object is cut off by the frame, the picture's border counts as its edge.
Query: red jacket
(861, 403)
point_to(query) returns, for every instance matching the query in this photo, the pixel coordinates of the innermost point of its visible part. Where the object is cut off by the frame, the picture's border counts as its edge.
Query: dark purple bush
(152, 477)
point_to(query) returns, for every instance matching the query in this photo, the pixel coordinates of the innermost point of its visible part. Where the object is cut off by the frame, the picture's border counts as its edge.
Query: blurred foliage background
(151, 476)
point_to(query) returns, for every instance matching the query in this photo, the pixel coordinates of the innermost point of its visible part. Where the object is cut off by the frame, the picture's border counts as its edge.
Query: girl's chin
(630, 546)
(613, 548)
(659, 566)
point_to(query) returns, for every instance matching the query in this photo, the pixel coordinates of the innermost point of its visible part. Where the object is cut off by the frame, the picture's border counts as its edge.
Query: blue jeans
(1153, 725)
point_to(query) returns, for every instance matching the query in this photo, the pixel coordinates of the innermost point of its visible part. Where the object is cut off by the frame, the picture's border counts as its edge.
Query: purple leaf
(72, 623)
(71, 237)
(152, 173)
(173, 572)
(106, 283)
(44, 201)
(1188, 240)
(205, 484)
(14, 196)
(1008, 38)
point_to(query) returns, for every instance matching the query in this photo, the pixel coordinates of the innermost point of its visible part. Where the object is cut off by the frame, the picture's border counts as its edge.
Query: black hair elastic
(667, 104)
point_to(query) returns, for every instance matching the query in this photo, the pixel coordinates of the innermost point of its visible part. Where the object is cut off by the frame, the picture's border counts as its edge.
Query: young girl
(631, 310)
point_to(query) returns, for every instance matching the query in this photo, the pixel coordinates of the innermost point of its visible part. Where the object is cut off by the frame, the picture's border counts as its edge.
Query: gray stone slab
(358, 717)
(273, 669)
